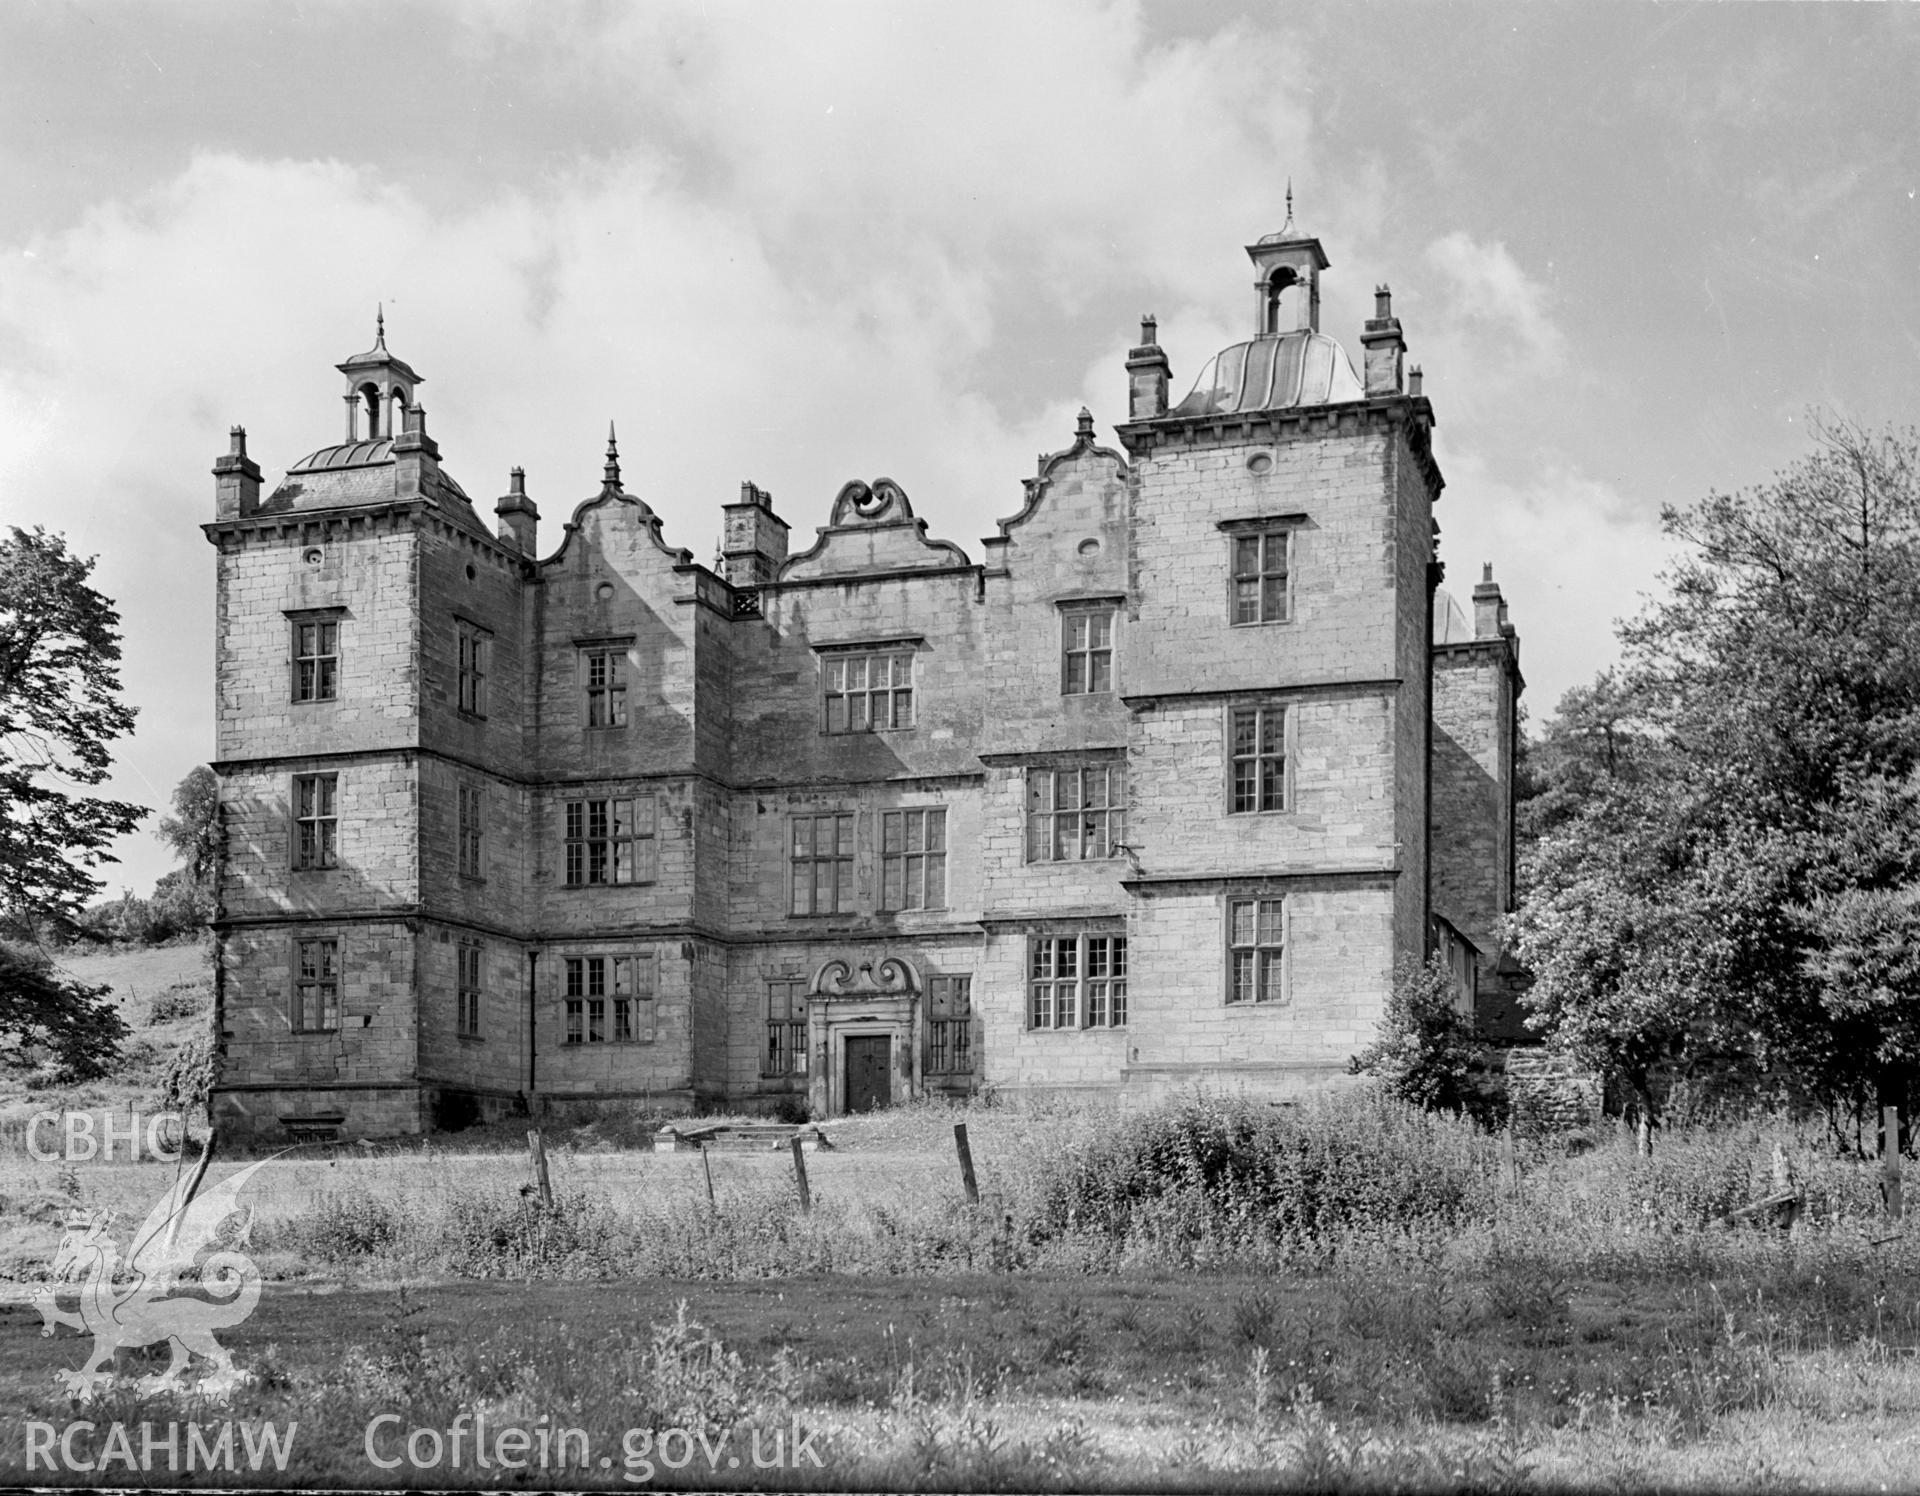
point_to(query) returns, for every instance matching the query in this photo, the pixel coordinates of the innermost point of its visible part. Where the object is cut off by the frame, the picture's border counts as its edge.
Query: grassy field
(1585, 1328)
(1208, 1296)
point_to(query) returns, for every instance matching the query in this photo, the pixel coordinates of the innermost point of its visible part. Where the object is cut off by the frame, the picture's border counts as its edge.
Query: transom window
(869, 692)
(316, 821)
(316, 659)
(474, 645)
(471, 954)
(950, 1025)
(1074, 814)
(611, 841)
(822, 865)
(603, 683)
(1261, 593)
(913, 859)
(1259, 758)
(316, 986)
(1087, 651)
(786, 1049)
(616, 988)
(1256, 945)
(470, 831)
(1077, 981)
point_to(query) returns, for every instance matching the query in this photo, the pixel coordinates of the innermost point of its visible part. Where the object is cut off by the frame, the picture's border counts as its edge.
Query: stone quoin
(1155, 791)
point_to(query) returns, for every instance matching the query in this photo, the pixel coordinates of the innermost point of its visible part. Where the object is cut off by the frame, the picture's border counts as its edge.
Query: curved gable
(872, 530)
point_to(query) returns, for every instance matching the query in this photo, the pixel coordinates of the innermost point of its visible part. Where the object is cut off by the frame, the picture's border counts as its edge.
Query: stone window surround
(909, 645)
(472, 669)
(933, 822)
(469, 986)
(949, 1033)
(324, 983)
(638, 837)
(296, 618)
(1080, 605)
(325, 820)
(1114, 979)
(618, 649)
(812, 860)
(786, 1029)
(1255, 894)
(1236, 530)
(643, 976)
(470, 831)
(1265, 702)
(1114, 814)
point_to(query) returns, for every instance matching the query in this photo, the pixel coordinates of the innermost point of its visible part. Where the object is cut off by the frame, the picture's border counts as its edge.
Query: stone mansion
(1155, 791)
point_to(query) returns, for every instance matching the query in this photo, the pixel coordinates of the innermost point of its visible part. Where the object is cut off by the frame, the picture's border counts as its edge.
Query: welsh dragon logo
(137, 1302)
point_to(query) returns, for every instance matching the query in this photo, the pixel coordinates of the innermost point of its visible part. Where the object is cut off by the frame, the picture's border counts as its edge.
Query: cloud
(1492, 317)
(1572, 556)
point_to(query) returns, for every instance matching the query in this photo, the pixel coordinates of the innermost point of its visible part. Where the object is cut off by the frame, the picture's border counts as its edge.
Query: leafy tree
(60, 708)
(193, 830)
(1729, 866)
(1425, 1050)
(48, 1021)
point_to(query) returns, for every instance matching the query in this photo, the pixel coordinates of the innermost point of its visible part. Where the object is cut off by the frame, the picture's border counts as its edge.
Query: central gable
(872, 531)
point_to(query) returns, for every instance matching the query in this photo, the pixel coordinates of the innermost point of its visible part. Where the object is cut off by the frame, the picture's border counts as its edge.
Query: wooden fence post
(966, 1163)
(706, 1165)
(537, 1161)
(1890, 1160)
(800, 1177)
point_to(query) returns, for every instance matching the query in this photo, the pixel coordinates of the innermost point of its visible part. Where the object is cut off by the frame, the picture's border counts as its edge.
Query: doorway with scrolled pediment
(863, 1034)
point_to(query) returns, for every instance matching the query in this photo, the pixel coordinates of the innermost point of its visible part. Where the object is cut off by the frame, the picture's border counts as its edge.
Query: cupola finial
(612, 475)
(380, 324)
(1289, 223)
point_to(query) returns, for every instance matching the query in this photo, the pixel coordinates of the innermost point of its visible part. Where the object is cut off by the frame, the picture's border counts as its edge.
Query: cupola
(379, 389)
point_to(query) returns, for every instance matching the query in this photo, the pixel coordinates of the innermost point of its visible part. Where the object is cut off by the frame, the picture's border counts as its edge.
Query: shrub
(1244, 1174)
(181, 1000)
(1426, 1049)
(188, 1076)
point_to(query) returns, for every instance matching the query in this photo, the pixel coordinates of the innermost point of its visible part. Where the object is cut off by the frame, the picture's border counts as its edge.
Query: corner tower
(367, 660)
(1278, 618)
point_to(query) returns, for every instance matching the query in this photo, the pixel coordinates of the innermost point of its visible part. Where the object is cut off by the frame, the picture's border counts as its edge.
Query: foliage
(189, 1076)
(52, 1023)
(1425, 1051)
(193, 830)
(175, 910)
(1248, 1173)
(60, 708)
(1725, 831)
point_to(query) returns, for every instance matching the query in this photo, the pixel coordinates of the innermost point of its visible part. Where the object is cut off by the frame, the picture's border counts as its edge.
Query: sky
(1635, 248)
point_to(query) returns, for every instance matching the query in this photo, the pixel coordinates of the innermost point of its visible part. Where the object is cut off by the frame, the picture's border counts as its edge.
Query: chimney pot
(1413, 380)
(1149, 331)
(1382, 302)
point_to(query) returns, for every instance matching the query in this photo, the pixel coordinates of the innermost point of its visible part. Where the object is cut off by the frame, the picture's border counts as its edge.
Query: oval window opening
(1260, 462)
(1089, 547)
(313, 556)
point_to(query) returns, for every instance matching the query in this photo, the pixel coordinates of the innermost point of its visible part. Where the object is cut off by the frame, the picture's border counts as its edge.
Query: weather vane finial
(1289, 223)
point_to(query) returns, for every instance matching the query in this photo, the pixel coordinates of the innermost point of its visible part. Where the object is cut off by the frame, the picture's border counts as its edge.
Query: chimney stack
(1147, 374)
(236, 479)
(1385, 348)
(519, 520)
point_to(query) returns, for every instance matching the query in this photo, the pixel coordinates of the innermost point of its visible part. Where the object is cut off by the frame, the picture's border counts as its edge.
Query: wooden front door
(869, 1072)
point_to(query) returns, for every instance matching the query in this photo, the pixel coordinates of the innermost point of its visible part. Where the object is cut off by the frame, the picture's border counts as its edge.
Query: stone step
(742, 1137)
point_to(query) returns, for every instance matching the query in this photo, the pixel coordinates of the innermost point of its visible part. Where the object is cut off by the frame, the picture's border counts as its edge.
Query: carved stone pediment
(891, 976)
